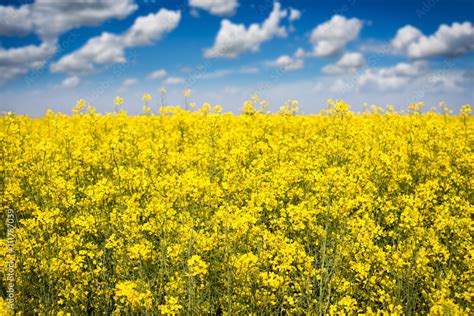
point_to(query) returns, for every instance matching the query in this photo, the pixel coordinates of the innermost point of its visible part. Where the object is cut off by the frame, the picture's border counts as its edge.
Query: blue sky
(380, 52)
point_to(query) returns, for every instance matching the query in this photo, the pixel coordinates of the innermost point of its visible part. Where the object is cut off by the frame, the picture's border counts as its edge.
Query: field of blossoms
(201, 212)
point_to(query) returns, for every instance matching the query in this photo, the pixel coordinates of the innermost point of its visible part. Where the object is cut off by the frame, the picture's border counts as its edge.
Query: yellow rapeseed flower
(146, 97)
(466, 110)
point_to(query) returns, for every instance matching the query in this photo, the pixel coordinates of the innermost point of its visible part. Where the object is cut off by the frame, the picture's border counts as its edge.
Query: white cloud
(186, 69)
(295, 14)
(147, 29)
(391, 78)
(52, 18)
(348, 63)
(216, 7)
(288, 63)
(405, 36)
(351, 60)
(71, 82)
(130, 82)
(448, 82)
(331, 37)
(300, 53)
(174, 80)
(8, 73)
(108, 48)
(235, 39)
(30, 56)
(405, 69)
(15, 62)
(377, 47)
(221, 73)
(338, 86)
(127, 84)
(157, 74)
(105, 49)
(15, 21)
(49, 19)
(447, 41)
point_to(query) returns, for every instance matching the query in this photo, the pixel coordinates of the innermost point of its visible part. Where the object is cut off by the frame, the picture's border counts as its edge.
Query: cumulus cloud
(447, 41)
(157, 74)
(348, 63)
(235, 39)
(126, 84)
(49, 19)
(15, 21)
(15, 62)
(174, 80)
(108, 48)
(288, 63)
(391, 78)
(300, 53)
(8, 73)
(52, 18)
(129, 82)
(216, 7)
(331, 37)
(147, 29)
(105, 49)
(351, 60)
(295, 14)
(71, 82)
(406, 36)
(405, 69)
(30, 56)
(448, 82)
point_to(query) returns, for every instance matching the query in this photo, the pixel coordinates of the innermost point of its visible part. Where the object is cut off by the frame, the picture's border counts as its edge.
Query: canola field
(206, 213)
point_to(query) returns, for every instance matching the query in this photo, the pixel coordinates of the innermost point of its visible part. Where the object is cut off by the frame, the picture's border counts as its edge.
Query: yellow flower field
(202, 212)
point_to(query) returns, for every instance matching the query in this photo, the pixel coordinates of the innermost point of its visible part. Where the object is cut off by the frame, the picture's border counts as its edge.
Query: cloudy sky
(381, 52)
